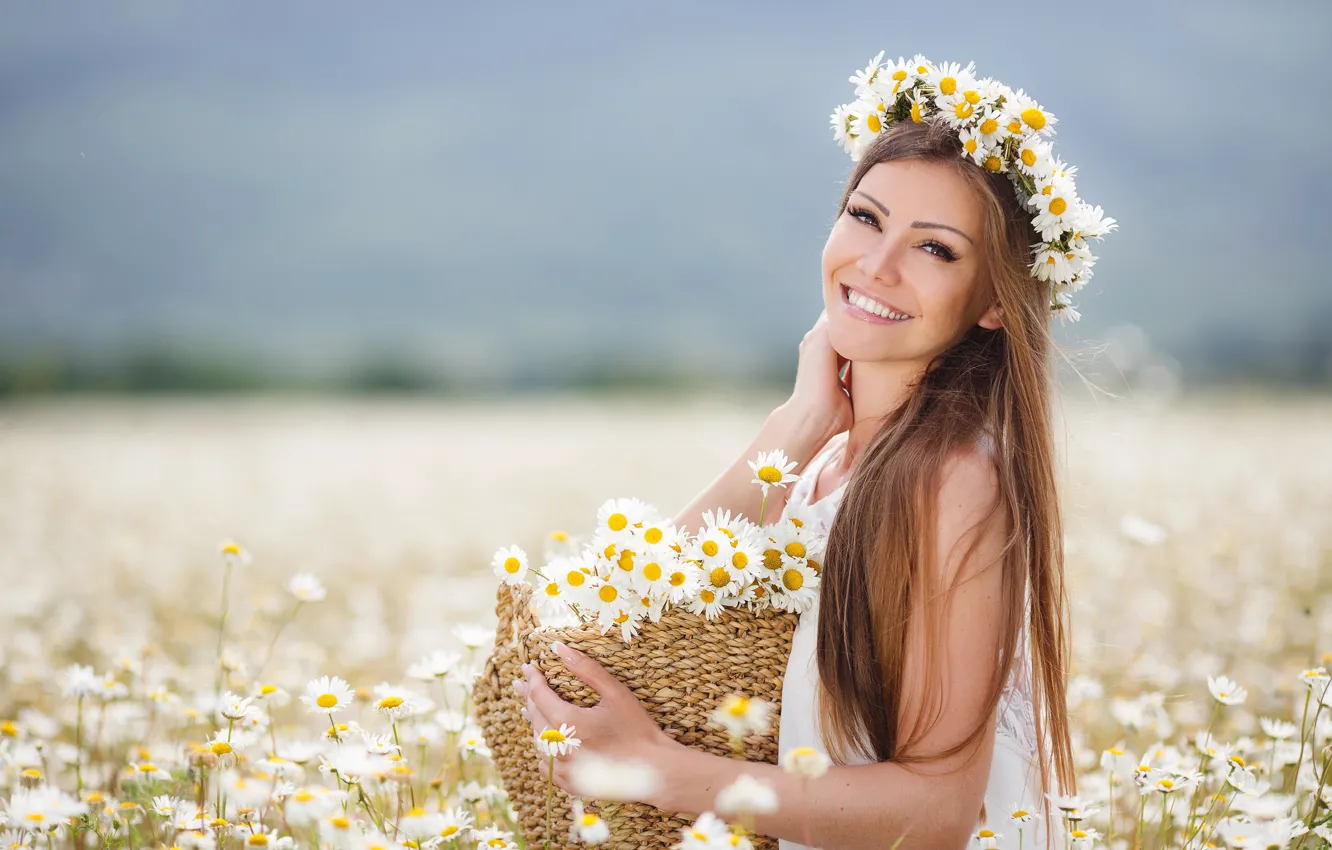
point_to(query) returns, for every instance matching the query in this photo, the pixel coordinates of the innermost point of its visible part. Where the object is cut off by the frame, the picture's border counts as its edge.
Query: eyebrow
(936, 224)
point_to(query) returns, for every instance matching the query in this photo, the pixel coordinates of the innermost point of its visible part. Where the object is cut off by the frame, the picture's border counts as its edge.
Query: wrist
(667, 758)
(803, 430)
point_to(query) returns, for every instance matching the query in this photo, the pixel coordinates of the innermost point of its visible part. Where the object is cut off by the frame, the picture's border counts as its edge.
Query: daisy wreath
(1002, 131)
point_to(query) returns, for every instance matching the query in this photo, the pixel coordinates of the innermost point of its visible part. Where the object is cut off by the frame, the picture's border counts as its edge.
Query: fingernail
(558, 648)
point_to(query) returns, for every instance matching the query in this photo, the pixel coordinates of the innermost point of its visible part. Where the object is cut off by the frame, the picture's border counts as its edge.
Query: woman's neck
(877, 389)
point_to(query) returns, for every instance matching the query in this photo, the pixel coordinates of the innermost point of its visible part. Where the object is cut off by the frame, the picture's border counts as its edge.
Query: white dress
(1014, 771)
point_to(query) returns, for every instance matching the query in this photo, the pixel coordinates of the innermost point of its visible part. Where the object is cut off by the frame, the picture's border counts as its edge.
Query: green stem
(268, 654)
(550, 792)
(222, 623)
(1202, 760)
(78, 745)
(411, 785)
(1142, 808)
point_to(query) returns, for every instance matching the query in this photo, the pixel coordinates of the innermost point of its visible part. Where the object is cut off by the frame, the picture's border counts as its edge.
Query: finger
(590, 672)
(542, 699)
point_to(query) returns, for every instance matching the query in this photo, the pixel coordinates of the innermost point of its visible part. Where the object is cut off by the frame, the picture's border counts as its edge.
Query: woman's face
(910, 242)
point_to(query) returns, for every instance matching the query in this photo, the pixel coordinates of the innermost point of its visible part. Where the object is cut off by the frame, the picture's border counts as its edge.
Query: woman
(921, 417)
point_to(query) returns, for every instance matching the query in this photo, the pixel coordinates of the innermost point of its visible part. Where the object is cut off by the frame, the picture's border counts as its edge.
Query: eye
(863, 215)
(944, 253)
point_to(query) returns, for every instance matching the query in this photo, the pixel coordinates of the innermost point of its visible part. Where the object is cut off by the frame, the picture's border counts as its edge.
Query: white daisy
(796, 590)
(473, 636)
(1052, 266)
(898, 76)
(510, 564)
(234, 707)
(453, 823)
(587, 827)
(233, 553)
(434, 666)
(773, 469)
(397, 702)
(79, 681)
(864, 79)
(557, 742)
(1226, 690)
(684, 580)
(805, 762)
(1033, 157)
(616, 518)
(328, 694)
(1034, 117)
(740, 715)
(841, 120)
(747, 796)
(986, 838)
(306, 588)
(1276, 729)
(708, 602)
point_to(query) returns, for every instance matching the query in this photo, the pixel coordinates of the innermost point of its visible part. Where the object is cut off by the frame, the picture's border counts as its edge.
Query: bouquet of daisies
(636, 564)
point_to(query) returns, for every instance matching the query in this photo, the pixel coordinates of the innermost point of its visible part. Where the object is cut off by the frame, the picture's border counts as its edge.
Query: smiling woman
(932, 664)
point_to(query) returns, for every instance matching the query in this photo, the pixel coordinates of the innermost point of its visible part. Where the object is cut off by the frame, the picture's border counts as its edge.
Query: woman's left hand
(618, 727)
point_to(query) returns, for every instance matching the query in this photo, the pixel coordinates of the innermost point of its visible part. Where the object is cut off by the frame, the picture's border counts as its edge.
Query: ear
(993, 318)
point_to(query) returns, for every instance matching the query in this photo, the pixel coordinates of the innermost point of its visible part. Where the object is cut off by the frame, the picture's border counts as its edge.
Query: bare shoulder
(969, 526)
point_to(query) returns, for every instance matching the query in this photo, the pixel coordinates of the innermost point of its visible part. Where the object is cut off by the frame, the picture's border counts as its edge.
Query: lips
(869, 308)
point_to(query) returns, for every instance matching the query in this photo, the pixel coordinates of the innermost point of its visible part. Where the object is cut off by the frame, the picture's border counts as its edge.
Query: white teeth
(869, 305)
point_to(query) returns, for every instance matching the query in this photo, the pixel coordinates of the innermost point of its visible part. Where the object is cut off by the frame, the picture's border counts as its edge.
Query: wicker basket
(680, 668)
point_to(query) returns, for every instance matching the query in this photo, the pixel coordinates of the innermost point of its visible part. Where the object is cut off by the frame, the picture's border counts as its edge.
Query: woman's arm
(819, 408)
(933, 805)
(798, 433)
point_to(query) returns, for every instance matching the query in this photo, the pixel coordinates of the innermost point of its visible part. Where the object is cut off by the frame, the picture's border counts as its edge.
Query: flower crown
(1001, 131)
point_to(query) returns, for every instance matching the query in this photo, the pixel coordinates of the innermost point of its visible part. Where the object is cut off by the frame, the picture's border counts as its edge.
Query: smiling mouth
(861, 303)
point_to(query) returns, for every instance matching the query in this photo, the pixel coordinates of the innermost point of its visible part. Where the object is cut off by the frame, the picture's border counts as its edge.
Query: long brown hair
(993, 384)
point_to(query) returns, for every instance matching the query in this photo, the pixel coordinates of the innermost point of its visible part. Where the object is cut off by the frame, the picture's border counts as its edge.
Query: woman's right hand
(820, 395)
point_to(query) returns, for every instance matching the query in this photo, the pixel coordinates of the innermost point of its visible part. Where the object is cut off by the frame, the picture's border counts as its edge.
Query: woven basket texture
(680, 668)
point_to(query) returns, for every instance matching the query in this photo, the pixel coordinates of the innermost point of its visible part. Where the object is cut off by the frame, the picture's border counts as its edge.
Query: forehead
(927, 191)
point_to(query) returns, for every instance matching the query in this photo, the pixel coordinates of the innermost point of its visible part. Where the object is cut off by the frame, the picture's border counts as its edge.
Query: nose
(880, 261)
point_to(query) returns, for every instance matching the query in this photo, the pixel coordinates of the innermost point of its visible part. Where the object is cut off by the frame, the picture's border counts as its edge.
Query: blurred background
(378, 289)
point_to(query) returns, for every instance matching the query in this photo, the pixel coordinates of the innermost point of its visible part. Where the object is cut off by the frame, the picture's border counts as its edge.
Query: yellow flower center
(963, 109)
(652, 571)
(739, 560)
(1239, 760)
(340, 822)
(720, 577)
(1034, 117)
(326, 701)
(1021, 813)
(1047, 190)
(511, 565)
(1028, 157)
(617, 522)
(948, 85)
(915, 113)
(970, 145)
(1079, 833)
(972, 96)
(267, 690)
(899, 75)
(815, 566)
(608, 593)
(677, 579)
(36, 817)
(560, 536)
(1115, 751)
(257, 840)
(220, 748)
(390, 702)
(993, 163)
(1057, 207)
(1015, 126)
(709, 547)
(795, 549)
(771, 474)
(610, 551)
(652, 535)
(590, 819)
(708, 597)
(552, 589)
(302, 796)
(147, 767)
(792, 580)
(448, 830)
(626, 561)
(985, 833)
(553, 736)
(874, 125)
(231, 549)
(989, 126)
(772, 559)
(575, 578)
(621, 618)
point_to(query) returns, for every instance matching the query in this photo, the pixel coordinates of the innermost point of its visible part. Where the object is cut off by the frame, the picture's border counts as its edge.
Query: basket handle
(513, 607)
